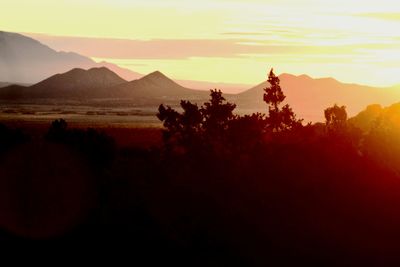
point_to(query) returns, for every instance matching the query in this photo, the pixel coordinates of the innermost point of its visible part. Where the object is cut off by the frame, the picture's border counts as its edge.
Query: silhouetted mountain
(77, 83)
(309, 97)
(4, 84)
(122, 72)
(156, 86)
(25, 60)
(231, 88)
(102, 83)
(14, 92)
(376, 115)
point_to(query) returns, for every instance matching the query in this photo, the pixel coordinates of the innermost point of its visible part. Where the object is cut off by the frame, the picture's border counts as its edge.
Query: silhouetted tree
(278, 119)
(196, 126)
(182, 129)
(336, 117)
(216, 116)
(97, 146)
(246, 132)
(57, 131)
(10, 137)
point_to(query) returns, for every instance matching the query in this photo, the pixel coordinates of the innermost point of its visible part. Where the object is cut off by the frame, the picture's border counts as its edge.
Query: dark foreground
(315, 200)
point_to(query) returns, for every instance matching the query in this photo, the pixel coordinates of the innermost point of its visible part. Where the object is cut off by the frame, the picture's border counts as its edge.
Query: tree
(57, 131)
(336, 117)
(182, 129)
(278, 119)
(246, 132)
(195, 127)
(216, 114)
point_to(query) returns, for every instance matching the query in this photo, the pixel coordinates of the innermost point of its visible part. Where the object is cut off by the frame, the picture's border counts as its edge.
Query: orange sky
(220, 40)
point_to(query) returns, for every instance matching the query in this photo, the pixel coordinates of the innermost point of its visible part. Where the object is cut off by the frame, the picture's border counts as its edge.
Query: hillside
(377, 116)
(156, 87)
(25, 60)
(4, 84)
(309, 97)
(77, 83)
(103, 84)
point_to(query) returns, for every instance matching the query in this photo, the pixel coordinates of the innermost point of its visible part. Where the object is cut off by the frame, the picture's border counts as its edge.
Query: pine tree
(279, 119)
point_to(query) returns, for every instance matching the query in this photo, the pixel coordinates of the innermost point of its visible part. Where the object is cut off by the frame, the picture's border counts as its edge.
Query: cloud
(382, 16)
(189, 48)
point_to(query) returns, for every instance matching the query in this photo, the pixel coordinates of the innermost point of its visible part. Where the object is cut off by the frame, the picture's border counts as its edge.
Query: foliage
(196, 127)
(10, 137)
(252, 190)
(336, 117)
(279, 118)
(215, 127)
(97, 146)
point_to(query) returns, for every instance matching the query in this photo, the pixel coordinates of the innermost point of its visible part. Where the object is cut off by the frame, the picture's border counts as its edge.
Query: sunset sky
(220, 40)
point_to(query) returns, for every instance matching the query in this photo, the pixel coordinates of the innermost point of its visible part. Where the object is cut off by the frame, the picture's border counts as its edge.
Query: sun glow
(231, 41)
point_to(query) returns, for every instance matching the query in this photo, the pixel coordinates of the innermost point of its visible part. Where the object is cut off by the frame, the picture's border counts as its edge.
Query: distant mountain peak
(75, 70)
(26, 60)
(156, 75)
(101, 70)
(97, 72)
(304, 77)
(78, 83)
(157, 72)
(286, 75)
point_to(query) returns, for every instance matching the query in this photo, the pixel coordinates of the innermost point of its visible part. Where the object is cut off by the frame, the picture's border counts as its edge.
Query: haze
(222, 41)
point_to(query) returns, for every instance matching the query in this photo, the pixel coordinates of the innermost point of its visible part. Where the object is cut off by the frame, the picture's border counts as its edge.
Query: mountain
(231, 88)
(25, 60)
(156, 86)
(122, 72)
(307, 96)
(4, 84)
(77, 83)
(310, 97)
(385, 118)
(102, 84)
(365, 119)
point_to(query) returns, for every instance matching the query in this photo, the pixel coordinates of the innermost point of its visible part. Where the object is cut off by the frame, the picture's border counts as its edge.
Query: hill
(103, 84)
(377, 116)
(77, 83)
(309, 97)
(25, 60)
(4, 84)
(156, 87)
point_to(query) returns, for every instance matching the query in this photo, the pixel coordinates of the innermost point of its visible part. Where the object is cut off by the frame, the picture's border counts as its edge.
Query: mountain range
(21, 57)
(25, 60)
(103, 84)
(309, 97)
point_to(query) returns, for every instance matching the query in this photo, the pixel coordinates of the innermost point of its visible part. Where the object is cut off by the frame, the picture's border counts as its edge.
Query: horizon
(220, 41)
(215, 133)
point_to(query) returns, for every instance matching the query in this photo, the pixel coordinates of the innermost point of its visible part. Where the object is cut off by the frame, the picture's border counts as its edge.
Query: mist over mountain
(25, 60)
(309, 97)
(158, 87)
(77, 83)
(102, 83)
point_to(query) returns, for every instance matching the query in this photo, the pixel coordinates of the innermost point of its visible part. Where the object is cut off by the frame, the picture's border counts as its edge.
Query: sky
(222, 41)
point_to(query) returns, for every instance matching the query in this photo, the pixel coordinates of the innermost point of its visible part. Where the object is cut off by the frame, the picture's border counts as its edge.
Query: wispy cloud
(382, 16)
(184, 49)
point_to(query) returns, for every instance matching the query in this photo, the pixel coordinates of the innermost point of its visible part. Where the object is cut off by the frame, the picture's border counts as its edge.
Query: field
(129, 127)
